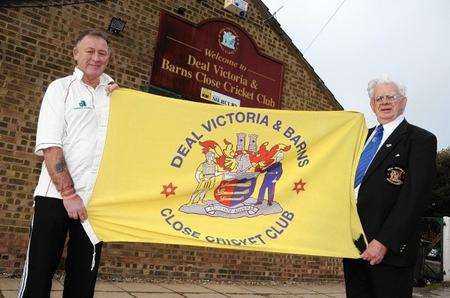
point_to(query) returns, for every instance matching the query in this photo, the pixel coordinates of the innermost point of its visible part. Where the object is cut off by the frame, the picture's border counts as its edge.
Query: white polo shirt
(74, 117)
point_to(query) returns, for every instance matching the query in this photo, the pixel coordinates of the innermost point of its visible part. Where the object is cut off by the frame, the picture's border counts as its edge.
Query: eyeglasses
(389, 98)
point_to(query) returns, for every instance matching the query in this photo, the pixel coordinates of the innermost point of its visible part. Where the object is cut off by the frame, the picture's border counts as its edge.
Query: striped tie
(368, 154)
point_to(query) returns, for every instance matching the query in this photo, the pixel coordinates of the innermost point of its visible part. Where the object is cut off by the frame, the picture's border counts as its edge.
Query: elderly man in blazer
(393, 183)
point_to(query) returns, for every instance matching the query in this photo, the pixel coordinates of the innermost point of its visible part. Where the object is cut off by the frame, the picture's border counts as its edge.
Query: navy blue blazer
(395, 190)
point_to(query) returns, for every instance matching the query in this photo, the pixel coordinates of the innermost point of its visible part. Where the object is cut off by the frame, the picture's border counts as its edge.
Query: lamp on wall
(116, 25)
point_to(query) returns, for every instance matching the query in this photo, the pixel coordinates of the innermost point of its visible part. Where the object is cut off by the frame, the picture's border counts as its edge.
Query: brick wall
(36, 46)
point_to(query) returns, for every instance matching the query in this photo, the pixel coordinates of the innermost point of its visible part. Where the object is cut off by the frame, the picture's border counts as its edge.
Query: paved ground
(8, 288)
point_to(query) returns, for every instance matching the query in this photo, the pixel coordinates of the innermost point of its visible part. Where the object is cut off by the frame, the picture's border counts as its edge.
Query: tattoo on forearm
(60, 166)
(58, 171)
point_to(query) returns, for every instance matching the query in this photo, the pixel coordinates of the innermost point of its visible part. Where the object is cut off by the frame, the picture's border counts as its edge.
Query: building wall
(36, 48)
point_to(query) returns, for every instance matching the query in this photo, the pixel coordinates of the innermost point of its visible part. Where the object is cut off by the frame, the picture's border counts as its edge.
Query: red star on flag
(168, 189)
(299, 186)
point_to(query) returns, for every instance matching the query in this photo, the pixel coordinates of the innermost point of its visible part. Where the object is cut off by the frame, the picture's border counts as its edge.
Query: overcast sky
(407, 39)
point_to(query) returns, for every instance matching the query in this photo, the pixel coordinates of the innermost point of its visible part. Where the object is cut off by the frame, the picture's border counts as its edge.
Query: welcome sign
(187, 173)
(215, 61)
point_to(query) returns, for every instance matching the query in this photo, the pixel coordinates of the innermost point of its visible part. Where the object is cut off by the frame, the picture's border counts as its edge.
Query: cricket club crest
(227, 179)
(228, 40)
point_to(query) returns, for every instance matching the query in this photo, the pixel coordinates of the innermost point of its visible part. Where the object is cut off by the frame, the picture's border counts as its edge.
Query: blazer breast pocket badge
(395, 175)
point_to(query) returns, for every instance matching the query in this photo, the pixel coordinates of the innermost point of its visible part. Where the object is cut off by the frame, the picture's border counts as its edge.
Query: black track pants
(49, 229)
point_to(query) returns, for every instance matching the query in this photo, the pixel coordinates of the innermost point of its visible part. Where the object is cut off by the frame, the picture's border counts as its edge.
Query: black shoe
(420, 283)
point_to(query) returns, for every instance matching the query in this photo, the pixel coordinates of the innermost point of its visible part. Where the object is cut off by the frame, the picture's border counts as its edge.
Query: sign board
(216, 61)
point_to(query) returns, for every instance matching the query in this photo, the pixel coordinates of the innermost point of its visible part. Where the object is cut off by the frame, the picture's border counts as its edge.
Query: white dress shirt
(388, 129)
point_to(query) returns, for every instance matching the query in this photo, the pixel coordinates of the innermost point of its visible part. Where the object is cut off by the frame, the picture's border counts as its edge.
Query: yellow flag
(187, 173)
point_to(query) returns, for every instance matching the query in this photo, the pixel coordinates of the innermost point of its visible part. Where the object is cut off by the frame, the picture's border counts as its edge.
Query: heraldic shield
(228, 178)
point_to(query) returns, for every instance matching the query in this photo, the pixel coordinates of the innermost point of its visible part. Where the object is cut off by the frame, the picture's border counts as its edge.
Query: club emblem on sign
(228, 40)
(236, 180)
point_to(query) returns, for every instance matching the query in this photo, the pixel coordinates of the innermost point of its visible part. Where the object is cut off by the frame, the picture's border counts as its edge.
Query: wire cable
(325, 25)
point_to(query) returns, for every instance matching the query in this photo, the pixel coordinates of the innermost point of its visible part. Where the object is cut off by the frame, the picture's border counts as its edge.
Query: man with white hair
(393, 183)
